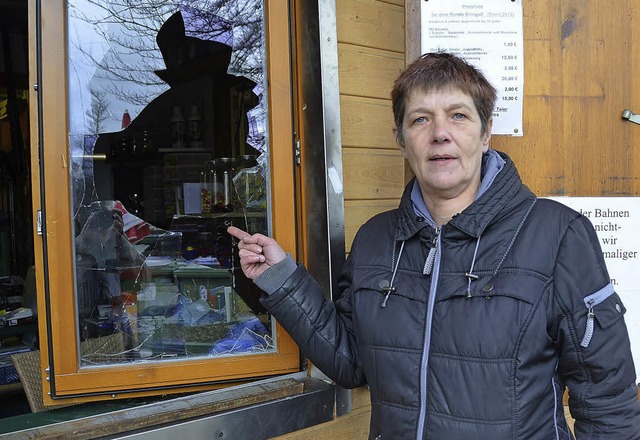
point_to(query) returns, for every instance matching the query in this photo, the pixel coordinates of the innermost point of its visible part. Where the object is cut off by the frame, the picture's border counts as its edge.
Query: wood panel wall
(370, 56)
(579, 64)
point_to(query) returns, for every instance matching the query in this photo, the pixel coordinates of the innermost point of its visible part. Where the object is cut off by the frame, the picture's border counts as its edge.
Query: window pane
(168, 145)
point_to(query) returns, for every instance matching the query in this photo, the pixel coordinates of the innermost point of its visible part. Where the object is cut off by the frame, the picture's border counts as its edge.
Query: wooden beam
(169, 411)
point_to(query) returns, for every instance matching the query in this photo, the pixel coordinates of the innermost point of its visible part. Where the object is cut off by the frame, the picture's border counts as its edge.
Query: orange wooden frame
(68, 380)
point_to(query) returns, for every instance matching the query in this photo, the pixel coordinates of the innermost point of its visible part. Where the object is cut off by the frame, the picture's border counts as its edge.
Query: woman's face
(444, 143)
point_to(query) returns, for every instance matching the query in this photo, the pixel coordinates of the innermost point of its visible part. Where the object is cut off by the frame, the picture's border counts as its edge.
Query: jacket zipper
(590, 302)
(424, 364)
(431, 256)
(387, 287)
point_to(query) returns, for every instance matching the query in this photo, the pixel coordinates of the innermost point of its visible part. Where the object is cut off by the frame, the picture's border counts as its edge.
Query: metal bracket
(631, 116)
(298, 153)
(39, 222)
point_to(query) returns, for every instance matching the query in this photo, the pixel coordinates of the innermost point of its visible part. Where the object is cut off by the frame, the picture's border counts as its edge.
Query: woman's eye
(420, 120)
(459, 116)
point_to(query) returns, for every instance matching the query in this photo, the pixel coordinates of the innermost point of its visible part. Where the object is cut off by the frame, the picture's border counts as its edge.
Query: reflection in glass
(168, 145)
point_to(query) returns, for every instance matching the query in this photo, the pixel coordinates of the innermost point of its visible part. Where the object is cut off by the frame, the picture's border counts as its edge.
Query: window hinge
(39, 222)
(298, 152)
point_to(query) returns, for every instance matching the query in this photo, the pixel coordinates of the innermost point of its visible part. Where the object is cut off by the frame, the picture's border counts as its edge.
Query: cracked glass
(168, 145)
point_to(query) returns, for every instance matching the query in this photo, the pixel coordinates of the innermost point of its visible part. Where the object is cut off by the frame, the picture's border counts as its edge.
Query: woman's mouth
(441, 158)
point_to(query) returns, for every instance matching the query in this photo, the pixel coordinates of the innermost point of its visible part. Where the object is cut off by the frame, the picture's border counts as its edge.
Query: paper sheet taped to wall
(489, 35)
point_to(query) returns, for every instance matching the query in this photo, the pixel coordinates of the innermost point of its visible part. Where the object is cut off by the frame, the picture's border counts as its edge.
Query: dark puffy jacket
(481, 343)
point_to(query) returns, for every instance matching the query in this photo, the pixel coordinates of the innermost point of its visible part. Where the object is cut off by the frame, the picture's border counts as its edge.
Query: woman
(469, 308)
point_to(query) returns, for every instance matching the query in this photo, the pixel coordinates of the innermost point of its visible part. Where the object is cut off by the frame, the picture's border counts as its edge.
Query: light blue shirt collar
(492, 164)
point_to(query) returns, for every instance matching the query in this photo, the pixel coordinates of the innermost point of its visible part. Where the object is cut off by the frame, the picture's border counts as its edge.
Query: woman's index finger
(237, 232)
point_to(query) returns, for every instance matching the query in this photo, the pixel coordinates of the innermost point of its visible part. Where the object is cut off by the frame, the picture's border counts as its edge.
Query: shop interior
(154, 187)
(17, 281)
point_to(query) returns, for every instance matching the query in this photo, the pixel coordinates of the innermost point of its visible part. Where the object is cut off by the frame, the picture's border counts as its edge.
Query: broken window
(169, 145)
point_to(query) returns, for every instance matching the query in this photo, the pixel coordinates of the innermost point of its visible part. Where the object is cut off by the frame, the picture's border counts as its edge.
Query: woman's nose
(440, 131)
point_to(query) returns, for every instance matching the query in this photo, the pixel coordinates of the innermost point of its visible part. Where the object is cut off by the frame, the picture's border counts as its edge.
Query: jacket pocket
(400, 323)
(517, 287)
(477, 326)
(412, 286)
(604, 308)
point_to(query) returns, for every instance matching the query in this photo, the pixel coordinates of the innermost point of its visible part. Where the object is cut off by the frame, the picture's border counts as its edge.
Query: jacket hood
(507, 190)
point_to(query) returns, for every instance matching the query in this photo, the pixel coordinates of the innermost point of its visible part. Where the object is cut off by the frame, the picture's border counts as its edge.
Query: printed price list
(488, 34)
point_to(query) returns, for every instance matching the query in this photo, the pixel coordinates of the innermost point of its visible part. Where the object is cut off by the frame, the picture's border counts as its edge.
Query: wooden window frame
(62, 376)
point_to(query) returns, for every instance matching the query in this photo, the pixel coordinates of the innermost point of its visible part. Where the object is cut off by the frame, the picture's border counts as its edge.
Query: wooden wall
(579, 65)
(370, 56)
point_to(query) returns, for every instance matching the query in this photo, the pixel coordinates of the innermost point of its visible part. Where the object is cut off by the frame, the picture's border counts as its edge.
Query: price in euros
(509, 98)
(510, 67)
(509, 57)
(510, 43)
(510, 89)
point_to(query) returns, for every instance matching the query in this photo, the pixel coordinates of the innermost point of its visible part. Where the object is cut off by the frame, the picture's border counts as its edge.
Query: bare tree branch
(99, 111)
(131, 26)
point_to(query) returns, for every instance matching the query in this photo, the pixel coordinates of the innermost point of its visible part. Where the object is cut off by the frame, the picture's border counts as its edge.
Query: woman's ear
(487, 135)
(399, 138)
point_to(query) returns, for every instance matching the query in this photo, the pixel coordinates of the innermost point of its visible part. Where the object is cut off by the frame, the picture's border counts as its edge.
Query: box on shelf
(196, 281)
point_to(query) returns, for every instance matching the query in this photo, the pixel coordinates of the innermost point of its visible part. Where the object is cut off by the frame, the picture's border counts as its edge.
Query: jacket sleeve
(322, 328)
(596, 365)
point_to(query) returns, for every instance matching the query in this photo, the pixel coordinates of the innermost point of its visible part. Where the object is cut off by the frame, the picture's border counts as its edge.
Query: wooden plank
(357, 212)
(590, 36)
(540, 70)
(394, 2)
(169, 411)
(280, 124)
(360, 398)
(532, 153)
(412, 32)
(372, 174)
(366, 122)
(371, 24)
(632, 97)
(537, 19)
(366, 71)
(570, 420)
(592, 39)
(354, 425)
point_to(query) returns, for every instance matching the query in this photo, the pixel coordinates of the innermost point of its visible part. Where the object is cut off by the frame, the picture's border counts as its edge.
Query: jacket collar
(476, 217)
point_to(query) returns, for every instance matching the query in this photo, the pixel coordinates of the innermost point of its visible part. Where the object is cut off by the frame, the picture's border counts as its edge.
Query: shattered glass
(168, 135)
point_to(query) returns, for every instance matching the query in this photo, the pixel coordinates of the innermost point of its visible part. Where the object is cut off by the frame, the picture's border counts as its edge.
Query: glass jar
(246, 181)
(208, 187)
(224, 167)
(247, 161)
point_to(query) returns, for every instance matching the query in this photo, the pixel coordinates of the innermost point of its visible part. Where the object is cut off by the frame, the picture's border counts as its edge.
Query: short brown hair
(437, 71)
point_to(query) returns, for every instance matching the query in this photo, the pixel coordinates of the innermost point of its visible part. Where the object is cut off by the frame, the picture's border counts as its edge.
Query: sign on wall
(489, 35)
(616, 220)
